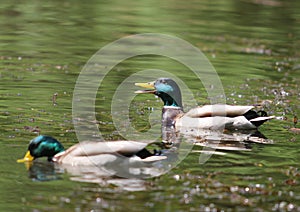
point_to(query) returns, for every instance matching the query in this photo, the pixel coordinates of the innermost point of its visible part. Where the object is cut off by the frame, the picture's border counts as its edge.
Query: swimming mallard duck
(213, 117)
(87, 153)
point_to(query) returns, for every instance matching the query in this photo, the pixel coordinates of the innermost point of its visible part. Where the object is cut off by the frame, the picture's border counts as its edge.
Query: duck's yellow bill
(149, 85)
(146, 85)
(27, 158)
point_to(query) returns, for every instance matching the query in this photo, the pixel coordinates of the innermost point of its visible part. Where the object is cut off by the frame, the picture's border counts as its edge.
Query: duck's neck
(50, 148)
(171, 99)
(169, 114)
(172, 107)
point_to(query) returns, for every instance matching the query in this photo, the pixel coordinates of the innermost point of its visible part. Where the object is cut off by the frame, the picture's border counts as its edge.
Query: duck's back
(218, 110)
(91, 153)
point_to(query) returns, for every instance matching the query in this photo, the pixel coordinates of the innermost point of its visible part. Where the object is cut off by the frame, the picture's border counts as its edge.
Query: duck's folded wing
(96, 148)
(213, 123)
(218, 110)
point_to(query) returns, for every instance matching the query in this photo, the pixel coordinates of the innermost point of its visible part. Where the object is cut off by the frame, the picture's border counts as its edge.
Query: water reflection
(216, 139)
(43, 171)
(46, 171)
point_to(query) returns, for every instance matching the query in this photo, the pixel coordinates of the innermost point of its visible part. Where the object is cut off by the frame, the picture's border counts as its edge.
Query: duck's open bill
(27, 158)
(149, 85)
(145, 91)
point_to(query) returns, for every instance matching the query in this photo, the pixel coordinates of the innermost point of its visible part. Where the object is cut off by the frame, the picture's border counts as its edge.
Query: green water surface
(254, 47)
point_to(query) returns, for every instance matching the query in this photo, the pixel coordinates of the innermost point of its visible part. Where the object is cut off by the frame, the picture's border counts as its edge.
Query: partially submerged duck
(88, 153)
(212, 117)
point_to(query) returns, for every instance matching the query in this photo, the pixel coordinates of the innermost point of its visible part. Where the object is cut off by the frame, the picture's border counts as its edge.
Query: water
(253, 45)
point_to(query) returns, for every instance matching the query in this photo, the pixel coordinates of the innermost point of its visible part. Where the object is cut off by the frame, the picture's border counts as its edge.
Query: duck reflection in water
(42, 170)
(212, 140)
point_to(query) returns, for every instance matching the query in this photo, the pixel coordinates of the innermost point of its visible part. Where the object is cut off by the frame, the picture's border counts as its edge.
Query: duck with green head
(87, 153)
(212, 117)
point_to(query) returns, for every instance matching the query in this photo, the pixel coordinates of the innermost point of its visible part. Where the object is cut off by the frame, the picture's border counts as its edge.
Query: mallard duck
(212, 117)
(87, 153)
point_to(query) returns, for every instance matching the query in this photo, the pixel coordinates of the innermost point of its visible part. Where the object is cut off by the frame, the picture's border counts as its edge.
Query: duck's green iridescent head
(165, 88)
(42, 146)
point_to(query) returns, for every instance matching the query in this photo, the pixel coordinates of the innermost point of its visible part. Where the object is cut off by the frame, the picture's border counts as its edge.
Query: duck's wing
(186, 123)
(84, 149)
(109, 147)
(218, 110)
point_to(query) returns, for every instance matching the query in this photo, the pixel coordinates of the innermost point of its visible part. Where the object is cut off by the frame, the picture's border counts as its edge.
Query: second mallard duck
(212, 117)
(88, 153)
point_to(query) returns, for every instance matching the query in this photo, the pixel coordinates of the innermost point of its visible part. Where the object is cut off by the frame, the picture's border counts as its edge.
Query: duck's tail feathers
(260, 120)
(257, 118)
